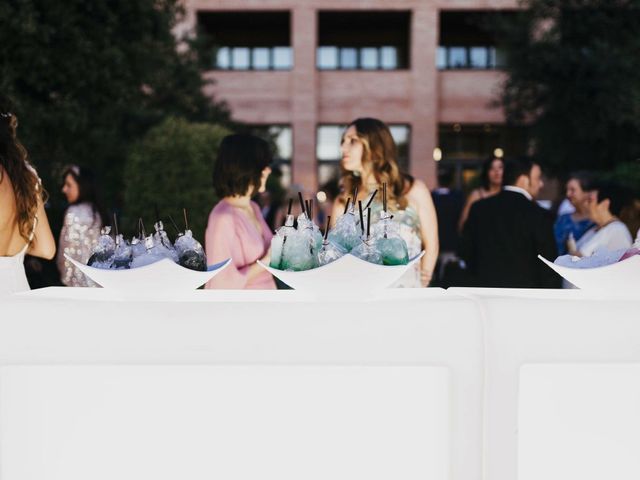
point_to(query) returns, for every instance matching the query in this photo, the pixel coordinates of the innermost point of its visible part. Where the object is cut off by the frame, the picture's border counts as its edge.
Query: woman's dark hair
(87, 190)
(619, 197)
(484, 171)
(381, 154)
(585, 179)
(15, 162)
(241, 160)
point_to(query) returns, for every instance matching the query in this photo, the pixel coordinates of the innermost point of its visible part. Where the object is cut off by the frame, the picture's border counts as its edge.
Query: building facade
(302, 69)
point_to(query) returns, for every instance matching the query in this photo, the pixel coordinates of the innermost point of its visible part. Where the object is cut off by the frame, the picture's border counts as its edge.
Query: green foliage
(91, 77)
(628, 175)
(171, 169)
(574, 75)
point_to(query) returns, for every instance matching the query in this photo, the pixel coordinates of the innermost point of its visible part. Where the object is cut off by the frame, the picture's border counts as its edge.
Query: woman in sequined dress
(369, 159)
(24, 227)
(83, 220)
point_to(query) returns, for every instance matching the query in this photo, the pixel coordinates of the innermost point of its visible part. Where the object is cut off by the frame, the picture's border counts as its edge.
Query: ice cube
(330, 252)
(368, 251)
(347, 232)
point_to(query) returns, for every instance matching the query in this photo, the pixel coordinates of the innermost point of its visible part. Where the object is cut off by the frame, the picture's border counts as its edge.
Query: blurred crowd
(490, 237)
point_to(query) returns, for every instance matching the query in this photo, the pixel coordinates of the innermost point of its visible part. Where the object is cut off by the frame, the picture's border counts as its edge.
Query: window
(348, 58)
(240, 58)
(357, 58)
(248, 40)
(253, 58)
(478, 57)
(282, 58)
(457, 57)
(363, 40)
(468, 40)
(389, 58)
(223, 58)
(260, 58)
(369, 58)
(327, 58)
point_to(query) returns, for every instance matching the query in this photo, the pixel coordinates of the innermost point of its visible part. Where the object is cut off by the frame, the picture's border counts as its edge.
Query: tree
(91, 77)
(170, 169)
(574, 76)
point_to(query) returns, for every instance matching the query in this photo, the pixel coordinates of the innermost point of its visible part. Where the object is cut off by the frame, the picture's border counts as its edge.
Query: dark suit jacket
(501, 240)
(448, 207)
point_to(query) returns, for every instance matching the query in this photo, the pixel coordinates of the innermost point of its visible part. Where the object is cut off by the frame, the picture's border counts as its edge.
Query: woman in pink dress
(235, 228)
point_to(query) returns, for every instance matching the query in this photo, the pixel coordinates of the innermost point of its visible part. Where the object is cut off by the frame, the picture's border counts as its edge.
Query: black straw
(311, 209)
(304, 210)
(186, 222)
(368, 222)
(326, 231)
(290, 205)
(373, 195)
(115, 224)
(346, 207)
(384, 196)
(355, 195)
(361, 217)
(174, 224)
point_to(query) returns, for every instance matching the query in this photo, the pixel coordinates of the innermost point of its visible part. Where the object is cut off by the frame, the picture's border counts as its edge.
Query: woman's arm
(471, 199)
(43, 244)
(420, 197)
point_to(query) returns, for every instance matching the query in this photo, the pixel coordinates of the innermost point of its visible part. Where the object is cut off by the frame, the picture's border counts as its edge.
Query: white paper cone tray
(162, 276)
(622, 276)
(346, 276)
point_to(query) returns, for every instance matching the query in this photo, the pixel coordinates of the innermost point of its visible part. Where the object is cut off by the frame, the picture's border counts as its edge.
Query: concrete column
(424, 125)
(304, 102)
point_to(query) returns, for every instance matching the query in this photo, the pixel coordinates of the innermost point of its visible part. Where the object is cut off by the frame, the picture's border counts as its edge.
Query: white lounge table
(458, 384)
(562, 383)
(392, 386)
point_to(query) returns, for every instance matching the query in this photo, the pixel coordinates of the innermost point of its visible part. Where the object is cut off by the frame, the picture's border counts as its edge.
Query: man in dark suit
(505, 233)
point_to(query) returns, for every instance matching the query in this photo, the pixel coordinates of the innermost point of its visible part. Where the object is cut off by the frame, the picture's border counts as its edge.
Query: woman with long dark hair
(369, 159)
(24, 227)
(83, 220)
(491, 184)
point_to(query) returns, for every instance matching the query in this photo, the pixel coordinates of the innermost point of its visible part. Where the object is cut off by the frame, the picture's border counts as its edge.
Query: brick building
(302, 69)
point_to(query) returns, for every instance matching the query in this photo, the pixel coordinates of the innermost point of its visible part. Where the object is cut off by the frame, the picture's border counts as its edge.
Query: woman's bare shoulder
(418, 190)
(477, 194)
